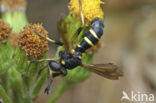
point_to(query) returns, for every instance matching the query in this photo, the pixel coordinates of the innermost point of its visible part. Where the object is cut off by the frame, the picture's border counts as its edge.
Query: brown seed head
(5, 30)
(12, 5)
(33, 44)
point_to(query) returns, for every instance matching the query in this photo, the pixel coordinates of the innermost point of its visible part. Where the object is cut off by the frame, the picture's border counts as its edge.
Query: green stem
(4, 95)
(63, 87)
(16, 84)
(5, 83)
(39, 84)
(17, 20)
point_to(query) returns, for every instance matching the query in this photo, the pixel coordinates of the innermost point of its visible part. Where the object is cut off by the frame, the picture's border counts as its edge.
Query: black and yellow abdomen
(92, 36)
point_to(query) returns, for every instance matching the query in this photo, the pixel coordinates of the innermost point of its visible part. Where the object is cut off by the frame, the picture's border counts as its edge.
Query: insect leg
(81, 14)
(39, 73)
(41, 60)
(50, 40)
(63, 71)
(52, 78)
(48, 70)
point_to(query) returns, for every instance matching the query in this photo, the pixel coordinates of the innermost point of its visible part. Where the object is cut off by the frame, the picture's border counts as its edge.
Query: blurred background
(129, 41)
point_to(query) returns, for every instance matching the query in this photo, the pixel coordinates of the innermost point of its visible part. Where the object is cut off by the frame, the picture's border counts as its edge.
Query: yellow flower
(90, 9)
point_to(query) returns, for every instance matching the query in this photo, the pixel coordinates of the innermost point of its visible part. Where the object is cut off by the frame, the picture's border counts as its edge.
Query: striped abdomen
(92, 36)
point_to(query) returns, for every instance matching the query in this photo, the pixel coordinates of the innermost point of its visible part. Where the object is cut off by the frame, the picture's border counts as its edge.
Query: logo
(137, 96)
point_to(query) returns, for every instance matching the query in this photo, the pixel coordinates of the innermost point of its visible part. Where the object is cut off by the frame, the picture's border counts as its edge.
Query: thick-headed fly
(71, 58)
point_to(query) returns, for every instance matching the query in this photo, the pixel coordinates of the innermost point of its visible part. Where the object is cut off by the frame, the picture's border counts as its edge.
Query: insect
(71, 58)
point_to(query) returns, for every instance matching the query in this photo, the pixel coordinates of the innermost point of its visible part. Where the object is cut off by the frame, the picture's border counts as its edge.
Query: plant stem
(17, 20)
(4, 95)
(39, 84)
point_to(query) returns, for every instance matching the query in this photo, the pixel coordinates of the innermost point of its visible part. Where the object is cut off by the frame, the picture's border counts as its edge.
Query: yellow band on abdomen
(88, 41)
(93, 33)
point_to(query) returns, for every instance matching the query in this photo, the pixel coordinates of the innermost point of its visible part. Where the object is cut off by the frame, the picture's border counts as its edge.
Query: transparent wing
(62, 28)
(109, 70)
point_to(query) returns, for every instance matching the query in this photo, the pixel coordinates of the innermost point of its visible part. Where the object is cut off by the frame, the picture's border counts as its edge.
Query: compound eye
(55, 66)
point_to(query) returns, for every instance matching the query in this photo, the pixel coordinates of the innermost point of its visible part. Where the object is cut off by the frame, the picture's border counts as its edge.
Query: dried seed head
(12, 5)
(90, 9)
(5, 30)
(33, 44)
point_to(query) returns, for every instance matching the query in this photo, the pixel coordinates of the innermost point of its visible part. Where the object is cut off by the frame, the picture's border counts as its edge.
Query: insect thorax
(70, 61)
